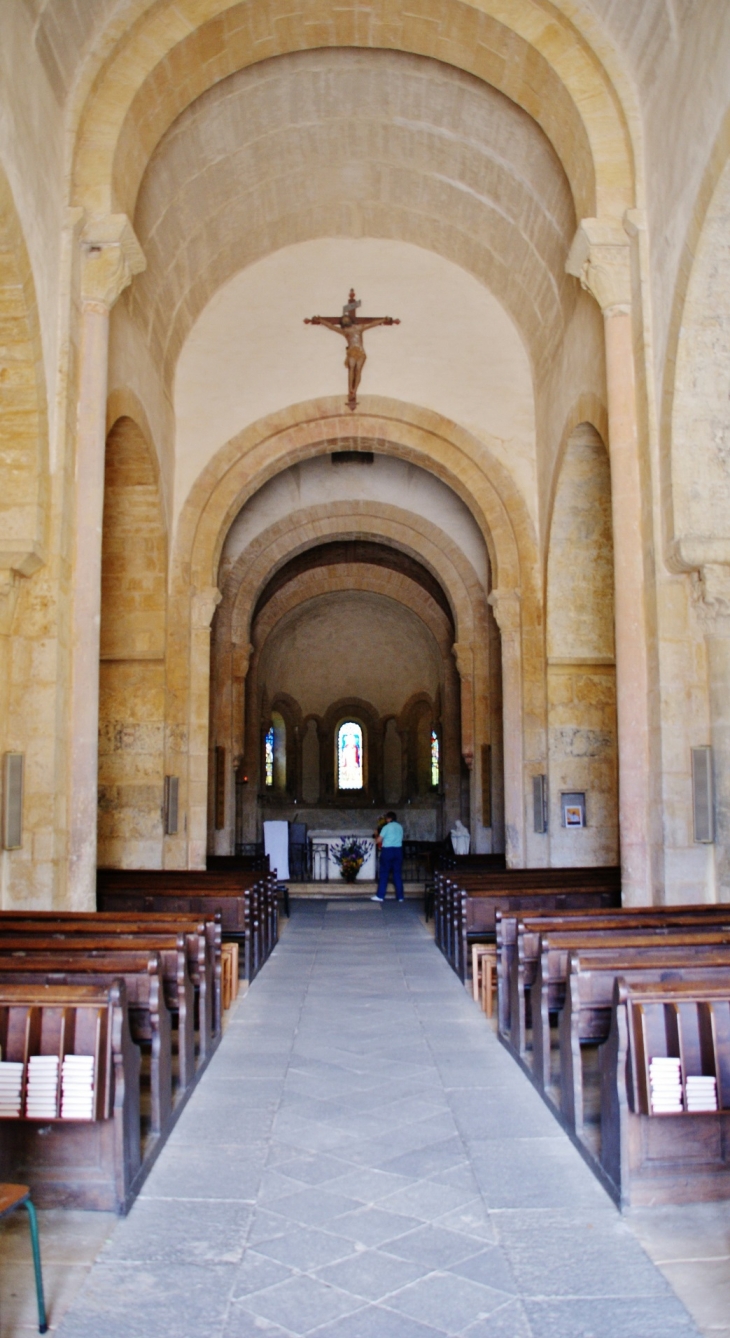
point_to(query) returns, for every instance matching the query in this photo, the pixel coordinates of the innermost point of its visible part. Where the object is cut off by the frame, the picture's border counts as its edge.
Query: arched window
(435, 759)
(349, 756)
(275, 754)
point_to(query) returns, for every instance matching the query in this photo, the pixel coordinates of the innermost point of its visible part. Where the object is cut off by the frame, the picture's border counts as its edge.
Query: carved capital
(506, 607)
(464, 656)
(9, 591)
(203, 605)
(711, 597)
(111, 256)
(600, 258)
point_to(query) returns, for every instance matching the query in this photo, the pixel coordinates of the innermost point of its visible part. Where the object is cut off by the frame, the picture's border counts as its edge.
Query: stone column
(203, 605)
(464, 656)
(600, 258)
(712, 602)
(506, 606)
(111, 256)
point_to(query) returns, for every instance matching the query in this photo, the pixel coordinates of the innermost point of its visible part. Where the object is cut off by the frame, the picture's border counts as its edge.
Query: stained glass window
(349, 756)
(435, 765)
(269, 755)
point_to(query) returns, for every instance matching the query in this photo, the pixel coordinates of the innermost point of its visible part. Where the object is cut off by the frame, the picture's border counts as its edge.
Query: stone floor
(364, 1160)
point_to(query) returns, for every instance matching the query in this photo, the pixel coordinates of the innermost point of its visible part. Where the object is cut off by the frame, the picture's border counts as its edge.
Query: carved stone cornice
(111, 256)
(506, 607)
(464, 656)
(203, 605)
(711, 598)
(600, 258)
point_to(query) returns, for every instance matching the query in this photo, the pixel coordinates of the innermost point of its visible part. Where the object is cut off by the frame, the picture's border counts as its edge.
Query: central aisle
(364, 1160)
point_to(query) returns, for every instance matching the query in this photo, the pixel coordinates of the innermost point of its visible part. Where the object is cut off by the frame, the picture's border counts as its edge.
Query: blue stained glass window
(349, 756)
(269, 756)
(435, 762)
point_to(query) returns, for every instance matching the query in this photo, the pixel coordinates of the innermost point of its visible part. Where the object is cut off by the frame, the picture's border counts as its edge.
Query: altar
(325, 867)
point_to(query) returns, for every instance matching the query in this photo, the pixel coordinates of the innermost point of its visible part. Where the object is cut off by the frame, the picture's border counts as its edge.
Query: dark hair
(393, 816)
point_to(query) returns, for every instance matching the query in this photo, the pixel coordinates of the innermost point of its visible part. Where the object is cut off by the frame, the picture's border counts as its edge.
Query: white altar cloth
(324, 867)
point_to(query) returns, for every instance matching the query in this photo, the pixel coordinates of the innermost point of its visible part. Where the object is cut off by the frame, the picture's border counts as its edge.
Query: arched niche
(132, 650)
(582, 742)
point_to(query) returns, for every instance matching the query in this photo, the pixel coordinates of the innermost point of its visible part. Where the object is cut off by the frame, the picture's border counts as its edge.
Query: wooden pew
(202, 941)
(149, 1017)
(179, 992)
(586, 1014)
(636, 947)
(465, 910)
(649, 1158)
(67, 1163)
(518, 947)
(246, 902)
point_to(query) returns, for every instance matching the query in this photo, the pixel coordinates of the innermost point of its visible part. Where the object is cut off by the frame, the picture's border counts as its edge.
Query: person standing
(390, 841)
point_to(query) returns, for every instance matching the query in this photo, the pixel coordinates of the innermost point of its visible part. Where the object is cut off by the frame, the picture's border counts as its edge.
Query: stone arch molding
(530, 50)
(419, 436)
(239, 469)
(314, 525)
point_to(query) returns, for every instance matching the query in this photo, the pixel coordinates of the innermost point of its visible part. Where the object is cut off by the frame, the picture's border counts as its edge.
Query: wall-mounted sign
(573, 808)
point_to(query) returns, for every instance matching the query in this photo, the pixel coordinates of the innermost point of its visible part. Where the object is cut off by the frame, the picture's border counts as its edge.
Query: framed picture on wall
(573, 806)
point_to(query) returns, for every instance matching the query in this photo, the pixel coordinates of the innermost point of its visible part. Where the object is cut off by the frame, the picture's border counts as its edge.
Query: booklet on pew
(77, 1087)
(41, 1096)
(11, 1083)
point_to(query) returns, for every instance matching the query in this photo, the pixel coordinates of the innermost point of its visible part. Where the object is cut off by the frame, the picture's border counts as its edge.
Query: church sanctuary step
(332, 890)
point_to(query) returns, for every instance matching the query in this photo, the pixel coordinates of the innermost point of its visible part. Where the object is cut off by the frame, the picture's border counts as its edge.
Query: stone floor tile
(136, 1301)
(206, 1172)
(256, 1272)
(447, 1301)
(176, 1231)
(371, 1274)
(314, 1207)
(378, 1322)
(426, 1199)
(570, 1254)
(373, 1225)
(301, 1304)
(369, 1185)
(490, 1268)
(306, 1248)
(639, 1317)
(508, 1321)
(435, 1246)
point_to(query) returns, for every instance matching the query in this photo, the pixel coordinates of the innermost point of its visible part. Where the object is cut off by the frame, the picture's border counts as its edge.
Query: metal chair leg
(33, 1220)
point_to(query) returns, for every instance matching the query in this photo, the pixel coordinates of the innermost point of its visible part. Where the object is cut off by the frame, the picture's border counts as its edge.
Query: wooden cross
(352, 327)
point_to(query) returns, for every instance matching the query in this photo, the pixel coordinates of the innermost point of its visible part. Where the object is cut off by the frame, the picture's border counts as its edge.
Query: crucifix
(352, 327)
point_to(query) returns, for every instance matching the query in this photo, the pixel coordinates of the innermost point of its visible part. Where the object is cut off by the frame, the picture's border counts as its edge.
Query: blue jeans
(391, 866)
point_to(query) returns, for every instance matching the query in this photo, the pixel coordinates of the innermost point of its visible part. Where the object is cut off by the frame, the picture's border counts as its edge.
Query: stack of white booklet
(77, 1087)
(701, 1094)
(41, 1097)
(11, 1082)
(665, 1077)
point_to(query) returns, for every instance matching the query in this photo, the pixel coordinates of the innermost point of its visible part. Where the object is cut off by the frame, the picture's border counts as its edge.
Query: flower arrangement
(350, 857)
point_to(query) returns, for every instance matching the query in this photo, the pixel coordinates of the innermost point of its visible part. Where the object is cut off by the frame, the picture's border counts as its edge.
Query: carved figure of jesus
(352, 328)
